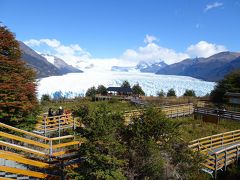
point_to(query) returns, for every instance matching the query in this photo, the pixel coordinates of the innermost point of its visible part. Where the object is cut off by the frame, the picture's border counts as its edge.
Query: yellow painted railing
(30, 149)
(48, 124)
(220, 150)
(170, 111)
(47, 147)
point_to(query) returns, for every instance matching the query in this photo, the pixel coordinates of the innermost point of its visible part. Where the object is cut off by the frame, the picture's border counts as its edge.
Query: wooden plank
(22, 131)
(28, 141)
(15, 157)
(60, 153)
(62, 137)
(66, 144)
(4, 178)
(28, 150)
(25, 172)
(209, 167)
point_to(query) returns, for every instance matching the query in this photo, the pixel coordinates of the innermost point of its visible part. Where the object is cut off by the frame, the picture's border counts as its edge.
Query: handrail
(23, 131)
(33, 134)
(223, 157)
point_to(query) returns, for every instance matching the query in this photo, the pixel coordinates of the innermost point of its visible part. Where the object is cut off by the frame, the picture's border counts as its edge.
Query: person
(50, 112)
(60, 111)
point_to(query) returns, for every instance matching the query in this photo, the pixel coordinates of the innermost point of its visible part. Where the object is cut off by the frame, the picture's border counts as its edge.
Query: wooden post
(50, 147)
(59, 128)
(45, 128)
(237, 155)
(74, 125)
(225, 163)
(215, 171)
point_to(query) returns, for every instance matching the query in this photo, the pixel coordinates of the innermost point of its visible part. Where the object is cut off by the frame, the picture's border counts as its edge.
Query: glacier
(76, 84)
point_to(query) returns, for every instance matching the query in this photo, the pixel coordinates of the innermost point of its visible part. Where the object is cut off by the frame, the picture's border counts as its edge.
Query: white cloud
(213, 5)
(204, 49)
(49, 42)
(149, 39)
(153, 52)
(74, 55)
(32, 42)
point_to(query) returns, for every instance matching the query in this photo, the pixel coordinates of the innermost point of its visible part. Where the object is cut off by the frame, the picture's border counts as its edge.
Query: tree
(189, 93)
(91, 92)
(137, 90)
(171, 92)
(230, 83)
(125, 84)
(143, 152)
(45, 98)
(102, 150)
(17, 81)
(161, 93)
(102, 90)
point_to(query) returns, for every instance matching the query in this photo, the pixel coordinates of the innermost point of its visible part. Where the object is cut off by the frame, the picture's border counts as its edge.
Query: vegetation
(91, 92)
(189, 93)
(142, 150)
(125, 84)
(45, 98)
(18, 86)
(102, 90)
(171, 92)
(161, 93)
(230, 83)
(137, 90)
(102, 151)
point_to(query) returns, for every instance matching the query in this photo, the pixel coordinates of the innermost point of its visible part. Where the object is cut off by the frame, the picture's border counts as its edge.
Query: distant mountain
(212, 68)
(150, 67)
(38, 63)
(61, 64)
(42, 66)
(142, 66)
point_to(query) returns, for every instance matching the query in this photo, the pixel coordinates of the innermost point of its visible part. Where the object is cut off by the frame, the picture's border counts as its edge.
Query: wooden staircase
(27, 155)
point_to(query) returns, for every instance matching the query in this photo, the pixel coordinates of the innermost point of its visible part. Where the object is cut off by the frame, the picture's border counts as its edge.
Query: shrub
(189, 93)
(171, 92)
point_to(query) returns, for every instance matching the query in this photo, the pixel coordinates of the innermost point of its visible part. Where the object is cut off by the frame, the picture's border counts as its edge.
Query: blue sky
(130, 30)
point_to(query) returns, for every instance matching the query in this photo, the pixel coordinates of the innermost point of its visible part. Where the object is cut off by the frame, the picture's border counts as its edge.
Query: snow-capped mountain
(61, 64)
(142, 66)
(150, 67)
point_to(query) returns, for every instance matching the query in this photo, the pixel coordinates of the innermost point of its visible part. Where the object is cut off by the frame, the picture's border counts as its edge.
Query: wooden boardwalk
(173, 111)
(218, 113)
(26, 155)
(220, 150)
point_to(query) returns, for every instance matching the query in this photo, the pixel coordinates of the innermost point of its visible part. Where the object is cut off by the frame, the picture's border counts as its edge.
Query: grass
(193, 129)
(117, 106)
(190, 129)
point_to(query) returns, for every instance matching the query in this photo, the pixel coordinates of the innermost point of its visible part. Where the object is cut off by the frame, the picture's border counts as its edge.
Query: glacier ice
(76, 84)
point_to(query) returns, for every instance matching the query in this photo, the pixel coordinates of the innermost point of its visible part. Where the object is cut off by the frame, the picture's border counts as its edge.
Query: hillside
(42, 66)
(38, 63)
(61, 64)
(212, 68)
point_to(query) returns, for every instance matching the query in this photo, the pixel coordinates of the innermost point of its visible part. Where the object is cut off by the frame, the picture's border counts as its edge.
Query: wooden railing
(220, 149)
(170, 111)
(30, 149)
(43, 146)
(47, 124)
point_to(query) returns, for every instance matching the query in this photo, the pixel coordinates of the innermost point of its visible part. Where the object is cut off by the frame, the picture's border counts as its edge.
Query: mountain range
(142, 66)
(42, 66)
(213, 68)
